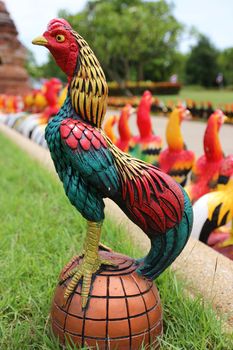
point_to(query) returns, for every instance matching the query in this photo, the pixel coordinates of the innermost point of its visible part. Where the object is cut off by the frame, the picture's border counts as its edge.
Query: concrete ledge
(208, 273)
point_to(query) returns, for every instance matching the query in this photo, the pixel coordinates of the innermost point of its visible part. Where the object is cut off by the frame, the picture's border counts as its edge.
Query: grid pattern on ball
(126, 267)
(146, 310)
(84, 318)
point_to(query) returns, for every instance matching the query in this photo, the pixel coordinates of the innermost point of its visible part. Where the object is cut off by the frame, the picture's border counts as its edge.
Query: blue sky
(213, 18)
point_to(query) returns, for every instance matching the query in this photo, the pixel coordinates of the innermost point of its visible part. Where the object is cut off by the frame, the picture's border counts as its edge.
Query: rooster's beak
(40, 40)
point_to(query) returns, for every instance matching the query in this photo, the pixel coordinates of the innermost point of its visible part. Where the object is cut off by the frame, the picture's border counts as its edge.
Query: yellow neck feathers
(89, 90)
(173, 133)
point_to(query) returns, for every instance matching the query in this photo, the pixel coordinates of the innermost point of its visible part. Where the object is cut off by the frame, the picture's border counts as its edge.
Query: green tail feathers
(166, 247)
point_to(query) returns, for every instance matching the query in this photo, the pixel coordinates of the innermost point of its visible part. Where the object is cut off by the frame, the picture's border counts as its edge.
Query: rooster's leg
(229, 241)
(90, 264)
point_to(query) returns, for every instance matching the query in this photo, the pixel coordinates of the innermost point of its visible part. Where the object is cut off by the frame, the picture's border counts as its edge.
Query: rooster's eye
(60, 38)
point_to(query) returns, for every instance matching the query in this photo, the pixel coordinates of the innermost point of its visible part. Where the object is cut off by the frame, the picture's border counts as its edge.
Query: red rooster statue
(205, 171)
(92, 168)
(124, 138)
(124, 129)
(146, 146)
(176, 160)
(52, 89)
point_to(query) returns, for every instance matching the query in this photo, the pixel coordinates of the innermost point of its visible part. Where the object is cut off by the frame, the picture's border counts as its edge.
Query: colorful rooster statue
(38, 121)
(2, 102)
(92, 168)
(108, 127)
(176, 160)
(215, 209)
(13, 110)
(52, 88)
(29, 99)
(124, 138)
(146, 146)
(11, 103)
(124, 129)
(205, 171)
(39, 102)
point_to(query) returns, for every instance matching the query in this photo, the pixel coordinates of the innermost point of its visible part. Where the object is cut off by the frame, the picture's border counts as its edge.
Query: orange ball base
(123, 312)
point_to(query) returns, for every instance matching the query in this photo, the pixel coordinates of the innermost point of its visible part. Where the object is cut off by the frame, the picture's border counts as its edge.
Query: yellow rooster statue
(176, 160)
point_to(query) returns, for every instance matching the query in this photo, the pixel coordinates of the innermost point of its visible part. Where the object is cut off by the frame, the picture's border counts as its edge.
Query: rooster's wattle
(92, 168)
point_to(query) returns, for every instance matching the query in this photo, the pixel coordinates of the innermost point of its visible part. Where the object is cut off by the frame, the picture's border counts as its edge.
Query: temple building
(13, 75)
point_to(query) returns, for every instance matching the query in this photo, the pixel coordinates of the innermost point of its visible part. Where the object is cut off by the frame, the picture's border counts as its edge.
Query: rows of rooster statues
(208, 180)
(30, 114)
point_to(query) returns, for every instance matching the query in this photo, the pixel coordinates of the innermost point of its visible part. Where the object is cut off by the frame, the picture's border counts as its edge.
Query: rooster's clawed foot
(85, 270)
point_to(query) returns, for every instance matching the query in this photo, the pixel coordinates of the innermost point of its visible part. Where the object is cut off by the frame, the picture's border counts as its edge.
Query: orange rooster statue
(205, 171)
(215, 209)
(108, 127)
(146, 146)
(2, 102)
(176, 160)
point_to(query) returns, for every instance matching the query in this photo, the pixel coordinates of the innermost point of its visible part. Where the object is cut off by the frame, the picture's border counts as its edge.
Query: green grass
(39, 232)
(199, 94)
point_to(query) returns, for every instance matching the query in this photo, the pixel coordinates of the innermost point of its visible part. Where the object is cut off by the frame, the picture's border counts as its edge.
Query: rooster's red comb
(57, 22)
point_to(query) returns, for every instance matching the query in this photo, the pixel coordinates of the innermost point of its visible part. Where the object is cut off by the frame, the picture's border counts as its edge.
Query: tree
(202, 67)
(133, 39)
(226, 65)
